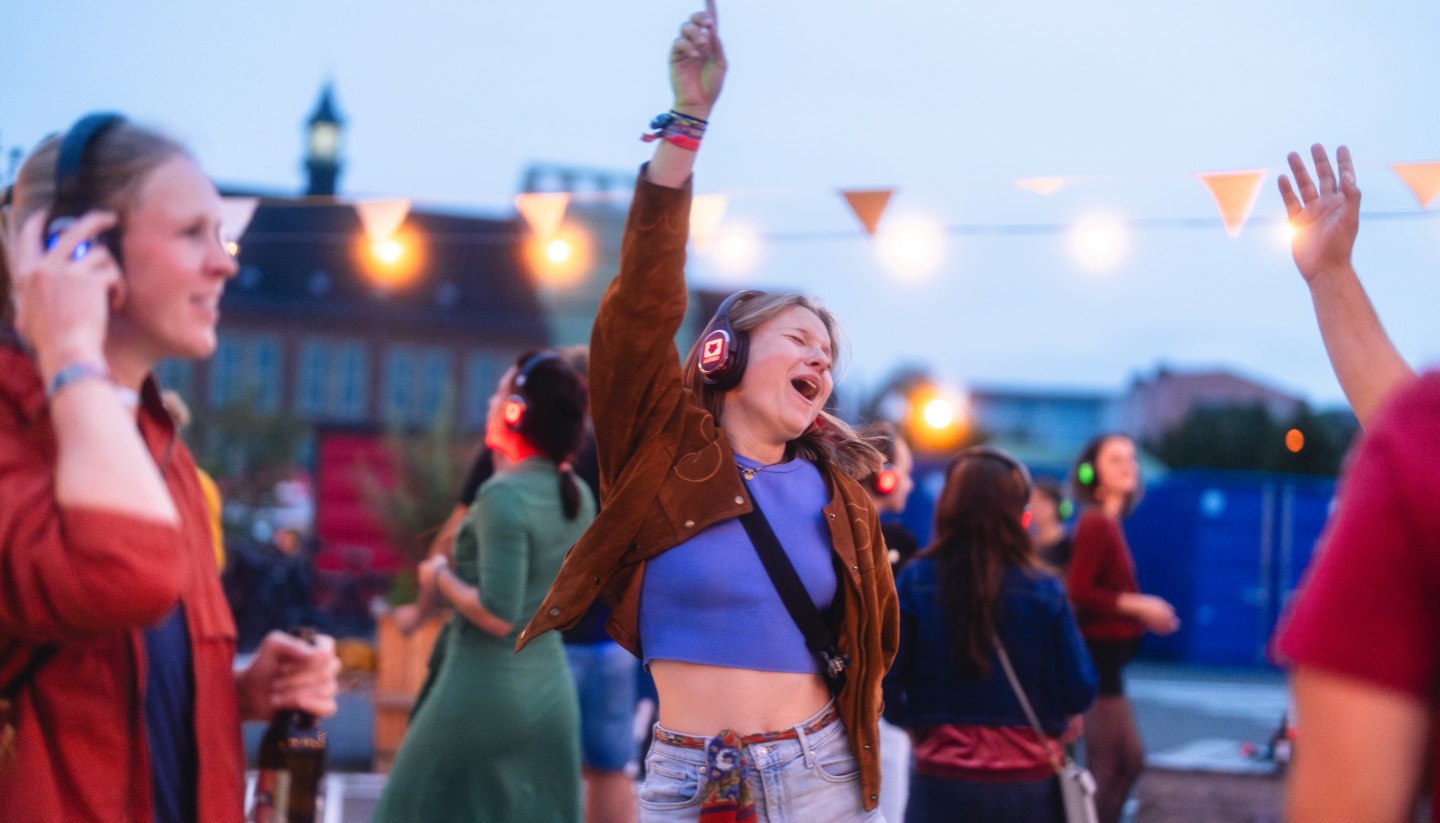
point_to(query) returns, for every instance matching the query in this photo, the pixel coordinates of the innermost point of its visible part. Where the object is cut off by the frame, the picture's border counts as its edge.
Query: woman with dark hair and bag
(118, 697)
(497, 737)
(699, 458)
(1112, 611)
(973, 604)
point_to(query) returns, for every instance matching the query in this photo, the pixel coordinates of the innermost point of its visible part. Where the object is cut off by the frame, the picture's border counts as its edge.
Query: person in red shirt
(1112, 613)
(117, 646)
(1363, 635)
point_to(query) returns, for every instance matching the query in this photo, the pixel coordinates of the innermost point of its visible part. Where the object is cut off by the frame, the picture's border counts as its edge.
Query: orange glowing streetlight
(560, 259)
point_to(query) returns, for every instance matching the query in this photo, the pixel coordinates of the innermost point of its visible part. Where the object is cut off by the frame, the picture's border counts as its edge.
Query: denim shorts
(812, 777)
(605, 681)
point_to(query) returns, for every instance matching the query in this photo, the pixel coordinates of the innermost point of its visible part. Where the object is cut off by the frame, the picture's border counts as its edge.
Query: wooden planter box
(400, 669)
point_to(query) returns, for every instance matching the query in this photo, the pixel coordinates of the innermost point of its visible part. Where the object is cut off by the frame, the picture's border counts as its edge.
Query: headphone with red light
(722, 349)
(1004, 457)
(512, 412)
(886, 481)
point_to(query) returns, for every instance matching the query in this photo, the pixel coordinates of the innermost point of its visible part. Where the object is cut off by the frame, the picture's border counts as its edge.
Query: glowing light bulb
(910, 246)
(1098, 242)
(558, 251)
(389, 251)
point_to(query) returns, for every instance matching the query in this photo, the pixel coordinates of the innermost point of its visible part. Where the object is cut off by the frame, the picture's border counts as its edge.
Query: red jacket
(90, 581)
(1101, 569)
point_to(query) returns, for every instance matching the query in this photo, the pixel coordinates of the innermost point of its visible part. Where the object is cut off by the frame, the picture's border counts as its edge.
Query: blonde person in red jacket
(116, 644)
(1112, 612)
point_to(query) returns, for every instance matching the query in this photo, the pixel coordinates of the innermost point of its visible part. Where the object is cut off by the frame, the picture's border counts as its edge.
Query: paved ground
(1195, 721)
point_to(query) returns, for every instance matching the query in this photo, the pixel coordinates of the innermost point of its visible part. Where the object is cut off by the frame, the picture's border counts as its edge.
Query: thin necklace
(749, 473)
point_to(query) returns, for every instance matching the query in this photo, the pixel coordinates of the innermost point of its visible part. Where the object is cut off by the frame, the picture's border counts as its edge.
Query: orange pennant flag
(382, 218)
(1422, 178)
(868, 205)
(1234, 194)
(543, 211)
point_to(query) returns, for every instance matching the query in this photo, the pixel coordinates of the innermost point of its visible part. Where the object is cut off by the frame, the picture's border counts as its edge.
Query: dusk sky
(948, 102)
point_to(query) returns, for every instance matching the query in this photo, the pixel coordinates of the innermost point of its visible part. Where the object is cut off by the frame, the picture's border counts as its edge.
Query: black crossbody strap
(787, 581)
(803, 610)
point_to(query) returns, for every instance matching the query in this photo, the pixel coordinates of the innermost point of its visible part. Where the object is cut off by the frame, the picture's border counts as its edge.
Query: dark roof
(310, 261)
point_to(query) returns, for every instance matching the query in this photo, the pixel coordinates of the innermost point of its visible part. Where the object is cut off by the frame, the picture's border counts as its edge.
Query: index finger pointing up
(710, 10)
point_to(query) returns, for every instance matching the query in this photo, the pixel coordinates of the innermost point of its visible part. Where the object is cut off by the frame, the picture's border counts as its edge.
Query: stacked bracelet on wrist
(678, 129)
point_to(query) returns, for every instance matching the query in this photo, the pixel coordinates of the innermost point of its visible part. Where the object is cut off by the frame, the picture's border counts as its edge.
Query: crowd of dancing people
(700, 521)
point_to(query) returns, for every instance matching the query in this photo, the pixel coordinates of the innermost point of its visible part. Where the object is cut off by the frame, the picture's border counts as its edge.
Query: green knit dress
(498, 736)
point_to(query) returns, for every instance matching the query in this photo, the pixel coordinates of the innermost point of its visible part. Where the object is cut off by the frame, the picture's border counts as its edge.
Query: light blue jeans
(808, 779)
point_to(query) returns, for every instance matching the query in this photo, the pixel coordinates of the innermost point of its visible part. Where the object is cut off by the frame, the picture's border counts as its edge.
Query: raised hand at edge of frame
(1325, 217)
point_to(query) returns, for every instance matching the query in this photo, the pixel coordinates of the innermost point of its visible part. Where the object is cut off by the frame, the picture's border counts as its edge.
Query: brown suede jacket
(668, 472)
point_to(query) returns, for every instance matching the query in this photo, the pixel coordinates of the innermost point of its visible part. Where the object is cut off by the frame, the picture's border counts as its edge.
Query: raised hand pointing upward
(697, 63)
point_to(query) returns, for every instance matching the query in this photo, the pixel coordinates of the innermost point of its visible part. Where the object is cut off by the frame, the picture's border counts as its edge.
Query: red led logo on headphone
(512, 412)
(713, 350)
(887, 481)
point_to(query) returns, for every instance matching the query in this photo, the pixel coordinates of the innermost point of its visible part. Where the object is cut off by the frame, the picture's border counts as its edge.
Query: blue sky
(948, 102)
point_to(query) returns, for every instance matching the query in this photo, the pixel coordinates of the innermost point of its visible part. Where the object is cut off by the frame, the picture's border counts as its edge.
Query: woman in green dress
(497, 738)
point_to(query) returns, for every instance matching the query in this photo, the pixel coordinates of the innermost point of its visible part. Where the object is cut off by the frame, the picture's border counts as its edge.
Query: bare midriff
(701, 700)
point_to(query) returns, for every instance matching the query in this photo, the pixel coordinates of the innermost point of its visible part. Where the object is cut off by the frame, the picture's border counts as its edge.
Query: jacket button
(554, 612)
(522, 632)
(739, 500)
(597, 581)
(689, 524)
(874, 797)
(855, 568)
(832, 515)
(867, 747)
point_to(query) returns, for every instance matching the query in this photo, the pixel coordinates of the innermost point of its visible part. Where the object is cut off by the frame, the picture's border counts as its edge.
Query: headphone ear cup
(886, 482)
(512, 412)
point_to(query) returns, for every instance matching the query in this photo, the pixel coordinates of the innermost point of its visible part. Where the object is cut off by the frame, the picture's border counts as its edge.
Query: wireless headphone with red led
(513, 410)
(721, 358)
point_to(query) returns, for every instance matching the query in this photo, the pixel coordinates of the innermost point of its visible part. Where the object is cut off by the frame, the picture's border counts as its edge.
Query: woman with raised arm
(118, 700)
(694, 455)
(497, 737)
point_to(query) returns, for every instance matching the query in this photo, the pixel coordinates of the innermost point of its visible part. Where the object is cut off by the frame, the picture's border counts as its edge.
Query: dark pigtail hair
(556, 398)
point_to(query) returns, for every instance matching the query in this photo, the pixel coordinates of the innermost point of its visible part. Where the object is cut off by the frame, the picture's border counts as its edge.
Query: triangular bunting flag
(1422, 178)
(543, 211)
(706, 212)
(382, 218)
(868, 205)
(1043, 186)
(235, 214)
(1234, 194)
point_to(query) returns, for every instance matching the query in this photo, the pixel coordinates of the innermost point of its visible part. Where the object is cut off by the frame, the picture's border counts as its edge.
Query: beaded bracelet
(678, 129)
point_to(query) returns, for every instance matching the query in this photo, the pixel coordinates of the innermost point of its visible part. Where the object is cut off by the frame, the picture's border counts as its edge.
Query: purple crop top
(709, 600)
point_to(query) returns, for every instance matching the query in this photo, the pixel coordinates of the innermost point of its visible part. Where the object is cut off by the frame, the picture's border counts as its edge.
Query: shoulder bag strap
(786, 580)
(803, 610)
(1025, 702)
